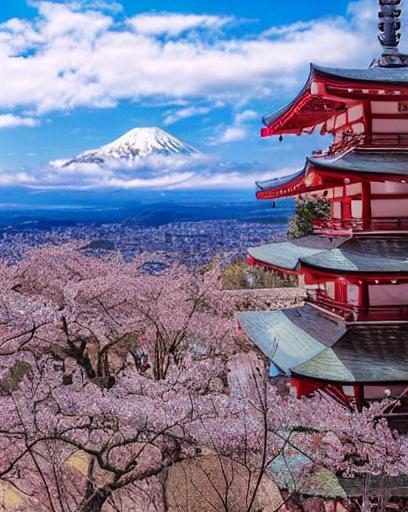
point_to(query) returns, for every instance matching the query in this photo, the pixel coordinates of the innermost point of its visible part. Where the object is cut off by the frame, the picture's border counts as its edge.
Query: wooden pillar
(359, 396)
(366, 202)
(364, 298)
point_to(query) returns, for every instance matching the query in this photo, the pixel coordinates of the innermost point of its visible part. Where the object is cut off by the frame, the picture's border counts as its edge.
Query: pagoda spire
(389, 24)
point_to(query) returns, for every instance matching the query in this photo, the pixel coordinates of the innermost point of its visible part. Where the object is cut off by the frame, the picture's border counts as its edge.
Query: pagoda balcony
(346, 227)
(352, 313)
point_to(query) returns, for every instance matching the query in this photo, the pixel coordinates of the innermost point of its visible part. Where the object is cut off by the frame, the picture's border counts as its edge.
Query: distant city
(192, 243)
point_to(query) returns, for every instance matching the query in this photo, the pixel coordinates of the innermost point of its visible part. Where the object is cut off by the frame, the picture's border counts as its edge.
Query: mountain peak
(133, 145)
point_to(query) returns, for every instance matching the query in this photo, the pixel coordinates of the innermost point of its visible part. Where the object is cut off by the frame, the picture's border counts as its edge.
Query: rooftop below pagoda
(307, 343)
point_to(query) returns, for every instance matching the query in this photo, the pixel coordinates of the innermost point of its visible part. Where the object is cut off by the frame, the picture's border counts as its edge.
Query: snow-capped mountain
(133, 145)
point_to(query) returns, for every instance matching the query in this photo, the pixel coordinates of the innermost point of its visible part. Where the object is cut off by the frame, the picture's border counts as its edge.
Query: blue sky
(77, 74)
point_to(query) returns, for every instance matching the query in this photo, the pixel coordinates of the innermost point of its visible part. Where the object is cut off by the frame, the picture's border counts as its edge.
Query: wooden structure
(351, 338)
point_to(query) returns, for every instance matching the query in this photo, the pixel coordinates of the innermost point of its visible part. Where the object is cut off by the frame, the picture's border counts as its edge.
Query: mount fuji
(134, 145)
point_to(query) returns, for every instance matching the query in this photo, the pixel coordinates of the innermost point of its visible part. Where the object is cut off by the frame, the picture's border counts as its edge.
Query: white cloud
(12, 121)
(81, 57)
(175, 24)
(184, 113)
(99, 5)
(238, 131)
(231, 134)
(196, 171)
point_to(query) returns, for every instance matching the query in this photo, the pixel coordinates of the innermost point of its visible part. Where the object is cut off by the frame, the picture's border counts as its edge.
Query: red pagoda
(350, 339)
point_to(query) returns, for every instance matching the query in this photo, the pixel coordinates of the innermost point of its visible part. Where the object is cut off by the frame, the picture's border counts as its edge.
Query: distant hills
(25, 209)
(134, 145)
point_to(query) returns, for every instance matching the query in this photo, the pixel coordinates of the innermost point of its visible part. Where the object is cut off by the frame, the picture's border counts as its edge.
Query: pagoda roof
(361, 160)
(310, 344)
(361, 255)
(366, 353)
(290, 337)
(327, 91)
(286, 255)
(389, 75)
(276, 183)
(358, 161)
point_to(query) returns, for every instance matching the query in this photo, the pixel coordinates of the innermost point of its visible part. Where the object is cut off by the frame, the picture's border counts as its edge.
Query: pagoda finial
(390, 15)
(389, 25)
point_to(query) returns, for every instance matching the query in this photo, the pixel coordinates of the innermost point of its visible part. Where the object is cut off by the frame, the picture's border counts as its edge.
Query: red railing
(356, 313)
(379, 141)
(322, 226)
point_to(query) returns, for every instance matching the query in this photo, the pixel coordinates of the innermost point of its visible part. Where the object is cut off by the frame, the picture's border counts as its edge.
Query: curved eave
(253, 262)
(270, 120)
(331, 94)
(285, 256)
(285, 186)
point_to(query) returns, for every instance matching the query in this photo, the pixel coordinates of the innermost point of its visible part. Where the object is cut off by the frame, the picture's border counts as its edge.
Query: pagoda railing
(353, 313)
(321, 226)
(379, 141)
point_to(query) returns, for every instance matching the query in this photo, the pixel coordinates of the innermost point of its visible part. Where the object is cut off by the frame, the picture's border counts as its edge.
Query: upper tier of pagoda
(364, 173)
(335, 100)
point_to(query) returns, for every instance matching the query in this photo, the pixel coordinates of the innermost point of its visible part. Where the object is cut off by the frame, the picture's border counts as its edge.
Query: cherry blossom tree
(85, 424)
(96, 311)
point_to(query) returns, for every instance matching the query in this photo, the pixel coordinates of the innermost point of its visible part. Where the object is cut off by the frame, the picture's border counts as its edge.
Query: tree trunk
(95, 502)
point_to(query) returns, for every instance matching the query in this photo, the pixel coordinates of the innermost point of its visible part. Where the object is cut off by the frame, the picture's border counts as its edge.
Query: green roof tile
(290, 337)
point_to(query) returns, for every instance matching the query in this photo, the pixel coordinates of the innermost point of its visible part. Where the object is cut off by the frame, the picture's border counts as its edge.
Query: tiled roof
(363, 255)
(376, 74)
(290, 337)
(309, 344)
(286, 255)
(369, 353)
(290, 471)
(365, 160)
(388, 76)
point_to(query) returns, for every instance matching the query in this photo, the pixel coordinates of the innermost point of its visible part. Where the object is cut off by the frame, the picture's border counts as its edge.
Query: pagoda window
(355, 113)
(353, 294)
(341, 121)
(336, 209)
(354, 189)
(357, 209)
(331, 289)
(390, 125)
(330, 124)
(389, 187)
(388, 294)
(389, 208)
(385, 107)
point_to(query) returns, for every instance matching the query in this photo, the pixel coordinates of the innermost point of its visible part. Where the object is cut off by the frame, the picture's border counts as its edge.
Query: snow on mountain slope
(133, 145)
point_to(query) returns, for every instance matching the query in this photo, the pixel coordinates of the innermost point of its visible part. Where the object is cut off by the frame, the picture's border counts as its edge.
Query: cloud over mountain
(143, 158)
(79, 54)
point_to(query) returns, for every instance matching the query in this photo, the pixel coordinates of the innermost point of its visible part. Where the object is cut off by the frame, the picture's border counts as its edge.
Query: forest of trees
(111, 376)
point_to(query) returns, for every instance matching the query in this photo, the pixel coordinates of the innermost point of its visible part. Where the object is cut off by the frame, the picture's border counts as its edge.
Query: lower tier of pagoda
(319, 352)
(358, 279)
